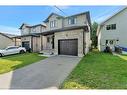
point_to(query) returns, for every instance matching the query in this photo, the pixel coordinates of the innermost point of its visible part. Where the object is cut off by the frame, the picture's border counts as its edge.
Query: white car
(12, 50)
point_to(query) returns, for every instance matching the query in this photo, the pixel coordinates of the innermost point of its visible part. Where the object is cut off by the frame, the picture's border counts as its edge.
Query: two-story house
(59, 35)
(113, 31)
(29, 38)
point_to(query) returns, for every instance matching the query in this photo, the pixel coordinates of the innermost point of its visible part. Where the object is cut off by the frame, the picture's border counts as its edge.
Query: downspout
(62, 22)
(83, 42)
(15, 41)
(32, 43)
(41, 42)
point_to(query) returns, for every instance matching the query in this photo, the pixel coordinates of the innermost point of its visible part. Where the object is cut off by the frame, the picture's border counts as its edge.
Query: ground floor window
(110, 42)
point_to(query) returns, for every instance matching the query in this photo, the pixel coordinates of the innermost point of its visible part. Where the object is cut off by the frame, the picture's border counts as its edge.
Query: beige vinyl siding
(80, 21)
(58, 23)
(5, 41)
(37, 29)
(25, 30)
(18, 41)
(36, 44)
(47, 45)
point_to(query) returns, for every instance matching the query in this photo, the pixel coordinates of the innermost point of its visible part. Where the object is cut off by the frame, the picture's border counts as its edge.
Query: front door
(50, 42)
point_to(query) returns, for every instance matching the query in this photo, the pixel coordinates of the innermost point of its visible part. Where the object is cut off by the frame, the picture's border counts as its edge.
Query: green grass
(98, 71)
(12, 62)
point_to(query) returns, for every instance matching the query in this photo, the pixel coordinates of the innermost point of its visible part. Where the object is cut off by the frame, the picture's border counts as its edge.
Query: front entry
(68, 47)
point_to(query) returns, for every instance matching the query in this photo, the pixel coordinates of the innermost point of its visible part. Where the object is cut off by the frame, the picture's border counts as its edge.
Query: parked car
(12, 50)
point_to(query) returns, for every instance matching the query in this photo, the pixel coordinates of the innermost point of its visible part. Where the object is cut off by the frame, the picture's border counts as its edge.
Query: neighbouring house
(59, 35)
(8, 40)
(113, 31)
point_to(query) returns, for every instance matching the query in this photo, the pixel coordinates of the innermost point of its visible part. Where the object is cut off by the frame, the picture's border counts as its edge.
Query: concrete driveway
(46, 74)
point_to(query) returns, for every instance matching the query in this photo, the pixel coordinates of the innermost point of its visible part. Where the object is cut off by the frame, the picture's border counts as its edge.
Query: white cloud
(10, 30)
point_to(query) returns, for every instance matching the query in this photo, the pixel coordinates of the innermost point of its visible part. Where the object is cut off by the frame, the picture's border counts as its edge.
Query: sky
(12, 17)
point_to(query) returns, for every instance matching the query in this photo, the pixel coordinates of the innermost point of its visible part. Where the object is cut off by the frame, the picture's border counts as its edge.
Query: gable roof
(113, 15)
(87, 16)
(39, 25)
(99, 26)
(87, 13)
(10, 35)
(5, 35)
(51, 15)
(23, 25)
(78, 14)
(31, 25)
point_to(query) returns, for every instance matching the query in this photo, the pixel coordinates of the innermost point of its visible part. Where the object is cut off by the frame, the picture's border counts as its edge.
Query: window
(108, 27)
(72, 20)
(53, 23)
(34, 30)
(111, 42)
(106, 42)
(111, 27)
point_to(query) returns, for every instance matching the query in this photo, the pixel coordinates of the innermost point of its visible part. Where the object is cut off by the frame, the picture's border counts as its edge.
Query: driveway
(45, 74)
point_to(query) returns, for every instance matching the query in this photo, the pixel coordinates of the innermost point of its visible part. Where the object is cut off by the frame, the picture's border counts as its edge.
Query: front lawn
(98, 71)
(12, 62)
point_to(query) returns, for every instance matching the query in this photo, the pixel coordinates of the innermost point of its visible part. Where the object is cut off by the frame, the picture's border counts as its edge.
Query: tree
(93, 34)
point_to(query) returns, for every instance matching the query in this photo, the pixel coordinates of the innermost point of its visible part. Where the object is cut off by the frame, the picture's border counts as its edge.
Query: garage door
(26, 45)
(68, 47)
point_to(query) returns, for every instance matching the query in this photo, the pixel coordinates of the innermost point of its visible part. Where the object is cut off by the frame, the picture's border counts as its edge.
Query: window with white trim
(53, 24)
(72, 20)
(111, 27)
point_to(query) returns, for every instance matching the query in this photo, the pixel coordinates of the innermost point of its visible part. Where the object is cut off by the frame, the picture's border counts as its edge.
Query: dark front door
(26, 45)
(68, 47)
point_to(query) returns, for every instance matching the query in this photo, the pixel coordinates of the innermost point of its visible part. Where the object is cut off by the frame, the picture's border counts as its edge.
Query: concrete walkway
(46, 74)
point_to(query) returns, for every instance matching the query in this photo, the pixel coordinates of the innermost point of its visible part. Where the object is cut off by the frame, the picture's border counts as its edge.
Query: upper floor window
(111, 27)
(34, 29)
(53, 23)
(72, 20)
